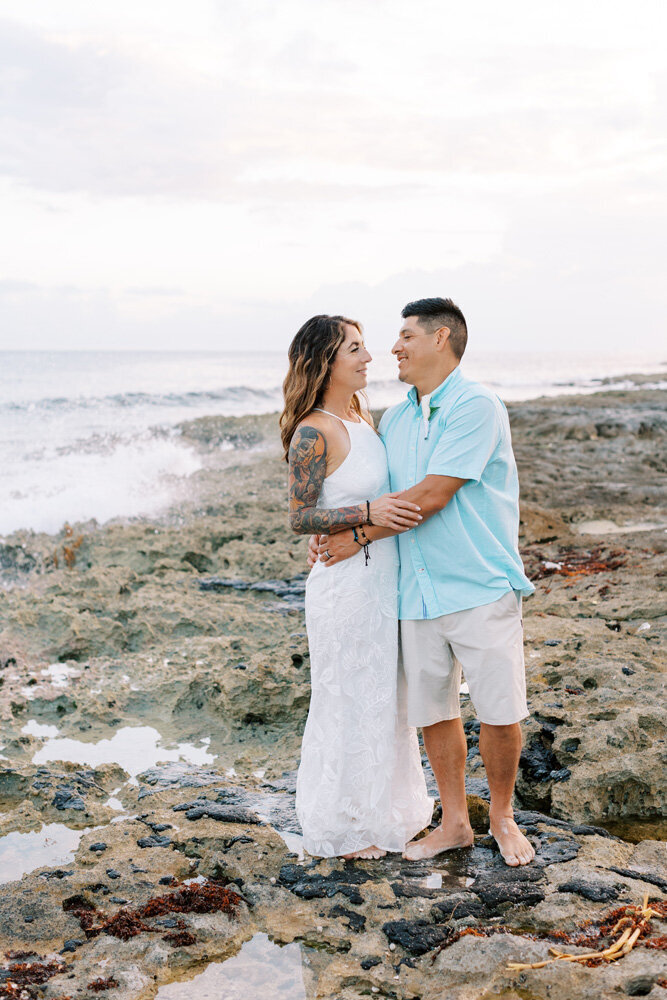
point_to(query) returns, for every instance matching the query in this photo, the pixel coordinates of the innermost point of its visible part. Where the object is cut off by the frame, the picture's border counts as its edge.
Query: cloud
(575, 275)
(155, 292)
(170, 178)
(40, 78)
(581, 273)
(97, 118)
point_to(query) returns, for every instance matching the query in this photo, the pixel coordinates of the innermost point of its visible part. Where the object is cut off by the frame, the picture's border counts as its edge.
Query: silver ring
(327, 554)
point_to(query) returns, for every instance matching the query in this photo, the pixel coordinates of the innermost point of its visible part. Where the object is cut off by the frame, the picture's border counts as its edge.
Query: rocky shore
(153, 691)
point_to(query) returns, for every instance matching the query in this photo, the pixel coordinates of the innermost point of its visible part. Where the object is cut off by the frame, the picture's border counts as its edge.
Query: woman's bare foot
(447, 837)
(371, 853)
(514, 847)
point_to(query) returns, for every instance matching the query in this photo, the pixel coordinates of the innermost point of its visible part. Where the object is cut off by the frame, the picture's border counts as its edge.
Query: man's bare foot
(514, 847)
(443, 838)
(371, 853)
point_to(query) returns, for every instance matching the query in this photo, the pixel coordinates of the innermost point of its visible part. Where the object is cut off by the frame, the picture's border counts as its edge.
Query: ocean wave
(133, 478)
(239, 394)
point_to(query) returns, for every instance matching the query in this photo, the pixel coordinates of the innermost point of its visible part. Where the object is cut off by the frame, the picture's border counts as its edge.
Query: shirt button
(421, 569)
(412, 540)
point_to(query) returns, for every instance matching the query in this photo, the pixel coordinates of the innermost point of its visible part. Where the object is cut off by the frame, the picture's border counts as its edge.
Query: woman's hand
(389, 511)
(336, 548)
(313, 550)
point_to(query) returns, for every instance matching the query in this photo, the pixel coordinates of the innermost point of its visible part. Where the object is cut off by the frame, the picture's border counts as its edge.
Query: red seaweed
(180, 939)
(589, 934)
(125, 923)
(23, 976)
(98, 985)
(573, 563)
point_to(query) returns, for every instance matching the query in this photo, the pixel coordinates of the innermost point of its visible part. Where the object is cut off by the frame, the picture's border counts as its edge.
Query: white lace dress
(360, 781)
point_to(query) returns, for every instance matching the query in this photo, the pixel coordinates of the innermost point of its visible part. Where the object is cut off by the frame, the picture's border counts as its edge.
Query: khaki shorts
(486, 643)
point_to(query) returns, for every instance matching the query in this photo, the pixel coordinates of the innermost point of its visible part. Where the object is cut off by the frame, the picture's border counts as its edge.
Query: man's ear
(441, 337)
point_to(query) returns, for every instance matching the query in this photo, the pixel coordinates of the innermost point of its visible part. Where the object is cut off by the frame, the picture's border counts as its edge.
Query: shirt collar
(435, 398)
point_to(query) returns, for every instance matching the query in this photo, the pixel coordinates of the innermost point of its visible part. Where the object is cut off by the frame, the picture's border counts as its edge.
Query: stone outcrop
(190, 632)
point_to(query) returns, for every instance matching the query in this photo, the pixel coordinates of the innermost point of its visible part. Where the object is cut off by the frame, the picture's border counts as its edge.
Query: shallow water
(39, 729)
(57, 674)
(610, 528)
(20, 853)
(444, 879)
(259, 970)
(60, 674)
(134, 748)
(635, 830)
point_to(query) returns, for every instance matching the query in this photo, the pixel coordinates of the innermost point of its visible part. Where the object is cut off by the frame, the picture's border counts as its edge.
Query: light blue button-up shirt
(467, 554)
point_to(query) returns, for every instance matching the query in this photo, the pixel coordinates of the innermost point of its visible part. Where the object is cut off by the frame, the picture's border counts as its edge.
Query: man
(461, 576)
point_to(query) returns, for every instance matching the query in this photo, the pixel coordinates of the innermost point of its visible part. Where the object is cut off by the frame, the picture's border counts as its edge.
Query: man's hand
(336, 548)
(313, 552)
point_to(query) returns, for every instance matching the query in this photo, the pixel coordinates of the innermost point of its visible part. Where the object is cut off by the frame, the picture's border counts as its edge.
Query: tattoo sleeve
(307, 471)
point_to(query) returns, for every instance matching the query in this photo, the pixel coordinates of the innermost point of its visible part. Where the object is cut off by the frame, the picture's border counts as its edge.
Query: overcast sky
(211, 173)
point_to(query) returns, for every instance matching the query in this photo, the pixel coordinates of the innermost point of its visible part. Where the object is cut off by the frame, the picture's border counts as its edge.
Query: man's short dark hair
(434, 313)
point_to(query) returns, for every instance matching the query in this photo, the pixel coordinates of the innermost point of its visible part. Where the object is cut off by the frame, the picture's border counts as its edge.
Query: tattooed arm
(307, 470)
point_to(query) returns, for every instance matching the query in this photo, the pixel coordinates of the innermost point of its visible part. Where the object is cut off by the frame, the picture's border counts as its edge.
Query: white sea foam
(131, 479)
(59, 674)
(95, 434)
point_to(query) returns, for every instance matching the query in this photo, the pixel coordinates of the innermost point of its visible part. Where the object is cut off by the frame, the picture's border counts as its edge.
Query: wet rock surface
(291, 591)
(598, 892)
(152, 700)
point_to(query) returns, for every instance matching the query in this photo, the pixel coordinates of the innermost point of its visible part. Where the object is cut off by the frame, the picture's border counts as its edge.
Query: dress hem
(411, 832)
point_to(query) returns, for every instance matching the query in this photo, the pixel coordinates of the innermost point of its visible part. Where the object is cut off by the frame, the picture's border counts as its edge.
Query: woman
(360, 787)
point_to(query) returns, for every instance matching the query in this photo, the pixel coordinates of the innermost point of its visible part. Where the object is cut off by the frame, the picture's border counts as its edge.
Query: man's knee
(491, 729)
(444, 726)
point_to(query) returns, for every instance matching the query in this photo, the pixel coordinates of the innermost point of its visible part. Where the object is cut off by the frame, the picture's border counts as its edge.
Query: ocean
(96, 434)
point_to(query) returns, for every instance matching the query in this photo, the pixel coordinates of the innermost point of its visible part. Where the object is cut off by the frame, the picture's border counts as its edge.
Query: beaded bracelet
(363, 544)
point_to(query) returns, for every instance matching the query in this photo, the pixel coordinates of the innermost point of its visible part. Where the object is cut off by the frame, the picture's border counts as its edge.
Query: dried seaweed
(69, 550)
(180, 939)
(23, 977)
(479, 932)
(631, 923)
(657, 943)
(98, 985)
(573, 563)
(210, 897)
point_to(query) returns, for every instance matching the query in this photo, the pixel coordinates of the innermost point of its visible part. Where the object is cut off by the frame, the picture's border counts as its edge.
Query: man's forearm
(432, 494)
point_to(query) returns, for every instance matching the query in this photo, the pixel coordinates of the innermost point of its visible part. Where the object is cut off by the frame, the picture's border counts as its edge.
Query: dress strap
(330, 414)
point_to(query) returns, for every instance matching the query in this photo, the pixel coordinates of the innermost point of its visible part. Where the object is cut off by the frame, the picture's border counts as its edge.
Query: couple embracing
(416, 577)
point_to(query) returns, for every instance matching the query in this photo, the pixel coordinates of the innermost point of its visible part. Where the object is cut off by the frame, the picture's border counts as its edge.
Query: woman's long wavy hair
(311, 355)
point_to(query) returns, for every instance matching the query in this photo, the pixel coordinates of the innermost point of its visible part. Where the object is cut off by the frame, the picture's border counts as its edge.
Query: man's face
(415, 351)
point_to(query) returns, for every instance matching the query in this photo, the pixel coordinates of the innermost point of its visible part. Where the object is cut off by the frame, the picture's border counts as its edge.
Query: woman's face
(348, 370)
